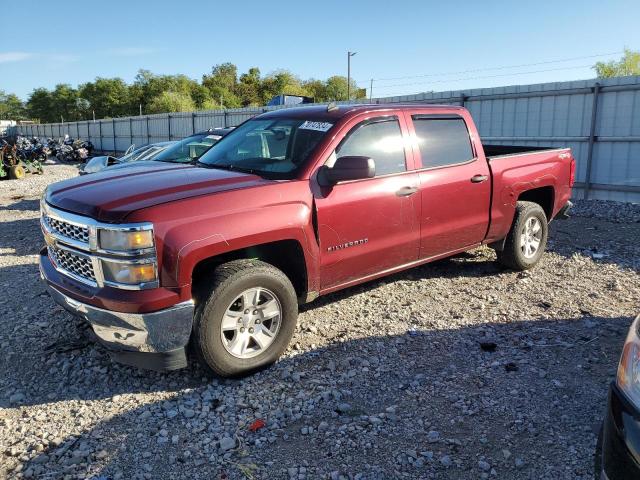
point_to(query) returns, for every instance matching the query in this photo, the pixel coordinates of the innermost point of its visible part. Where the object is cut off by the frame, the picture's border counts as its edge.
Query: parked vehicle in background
(69, 150)
(618, 451)
(25, 156)
(192, 147)
(146, 152)
(292, 204)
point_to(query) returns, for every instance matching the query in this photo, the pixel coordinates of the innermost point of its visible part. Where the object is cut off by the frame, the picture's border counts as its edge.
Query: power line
(482, 76)
(504, 67)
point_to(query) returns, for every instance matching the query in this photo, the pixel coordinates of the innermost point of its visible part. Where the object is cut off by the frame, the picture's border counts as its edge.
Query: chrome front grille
(69, 230)
(73, 247)
(78, 265)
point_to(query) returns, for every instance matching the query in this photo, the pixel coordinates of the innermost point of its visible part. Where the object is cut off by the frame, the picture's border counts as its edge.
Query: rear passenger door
(370, 225)
(455, 185)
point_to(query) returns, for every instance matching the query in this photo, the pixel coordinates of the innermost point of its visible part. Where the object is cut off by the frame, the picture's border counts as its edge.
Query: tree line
(221, 88)
(152, 93)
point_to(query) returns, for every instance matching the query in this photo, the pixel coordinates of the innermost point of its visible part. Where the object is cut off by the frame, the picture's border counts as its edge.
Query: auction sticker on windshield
(319, 126)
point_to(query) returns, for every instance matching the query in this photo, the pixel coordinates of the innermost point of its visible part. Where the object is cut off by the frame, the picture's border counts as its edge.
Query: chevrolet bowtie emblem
(50, 240)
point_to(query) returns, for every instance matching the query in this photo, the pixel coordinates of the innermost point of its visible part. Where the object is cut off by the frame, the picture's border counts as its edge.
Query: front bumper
(155, 340)
(620, 439)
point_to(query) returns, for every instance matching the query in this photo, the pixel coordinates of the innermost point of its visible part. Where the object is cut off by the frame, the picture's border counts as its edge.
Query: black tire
(512, 256)
(16, 172)
(230, 280)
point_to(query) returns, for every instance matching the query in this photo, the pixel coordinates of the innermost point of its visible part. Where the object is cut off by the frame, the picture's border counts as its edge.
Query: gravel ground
(457, 369)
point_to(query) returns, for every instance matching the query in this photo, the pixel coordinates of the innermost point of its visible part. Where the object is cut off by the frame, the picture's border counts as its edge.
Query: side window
(442, 141)
(380, 140)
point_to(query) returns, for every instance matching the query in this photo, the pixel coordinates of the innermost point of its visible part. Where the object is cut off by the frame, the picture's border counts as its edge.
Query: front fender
(198, 228)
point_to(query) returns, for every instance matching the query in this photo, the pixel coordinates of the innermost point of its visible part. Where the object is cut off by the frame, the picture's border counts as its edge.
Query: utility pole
(371, 91)
(94, 115)
(349, 55)
(140, 109)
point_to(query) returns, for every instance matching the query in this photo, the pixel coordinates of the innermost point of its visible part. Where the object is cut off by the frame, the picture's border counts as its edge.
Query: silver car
(146, 152)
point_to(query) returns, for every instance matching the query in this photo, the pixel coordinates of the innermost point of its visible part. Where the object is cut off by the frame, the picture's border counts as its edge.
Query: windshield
(138, 153)
(273, 148)
(135, 154)
(188, 149)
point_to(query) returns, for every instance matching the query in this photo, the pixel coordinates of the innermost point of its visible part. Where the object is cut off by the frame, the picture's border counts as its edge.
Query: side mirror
(347, 168)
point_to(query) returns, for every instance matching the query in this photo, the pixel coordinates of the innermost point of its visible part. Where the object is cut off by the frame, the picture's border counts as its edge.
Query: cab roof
(321, 112)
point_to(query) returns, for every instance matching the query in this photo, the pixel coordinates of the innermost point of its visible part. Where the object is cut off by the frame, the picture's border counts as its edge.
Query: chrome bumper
(158, 332)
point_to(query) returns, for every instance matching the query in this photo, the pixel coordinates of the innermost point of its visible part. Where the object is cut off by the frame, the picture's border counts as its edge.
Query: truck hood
(110, 195)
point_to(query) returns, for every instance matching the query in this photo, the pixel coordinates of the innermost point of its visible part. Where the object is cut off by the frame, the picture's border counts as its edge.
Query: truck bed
(519, 168)
(493, 151)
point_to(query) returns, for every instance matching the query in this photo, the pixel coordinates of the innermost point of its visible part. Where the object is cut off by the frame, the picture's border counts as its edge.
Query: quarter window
(442, 141)
(380, 140)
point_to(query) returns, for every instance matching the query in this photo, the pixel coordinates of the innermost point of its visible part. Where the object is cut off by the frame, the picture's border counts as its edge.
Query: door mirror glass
(347, 168)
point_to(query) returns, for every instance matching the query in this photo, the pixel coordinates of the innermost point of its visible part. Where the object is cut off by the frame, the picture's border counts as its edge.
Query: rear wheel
(527, 239)
(246, 319)
(16, 172)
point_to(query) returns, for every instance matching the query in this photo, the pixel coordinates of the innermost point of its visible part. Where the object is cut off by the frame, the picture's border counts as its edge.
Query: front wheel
(527, 239)
(246, 319)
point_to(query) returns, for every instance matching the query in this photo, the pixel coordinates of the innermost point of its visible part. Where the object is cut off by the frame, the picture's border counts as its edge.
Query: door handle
(406, 191)
(479, 178)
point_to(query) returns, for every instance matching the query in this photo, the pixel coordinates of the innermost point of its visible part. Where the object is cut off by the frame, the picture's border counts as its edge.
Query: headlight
(129, 273)
(628, 379)
(124, 240)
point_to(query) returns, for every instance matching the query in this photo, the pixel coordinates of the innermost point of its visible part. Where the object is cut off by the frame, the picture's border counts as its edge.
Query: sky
(405, 46)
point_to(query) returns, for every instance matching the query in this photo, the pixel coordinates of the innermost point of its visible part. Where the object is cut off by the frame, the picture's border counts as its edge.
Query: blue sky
(417, 45)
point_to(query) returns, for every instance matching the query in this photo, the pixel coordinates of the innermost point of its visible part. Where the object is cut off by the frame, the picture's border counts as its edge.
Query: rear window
(442, 141)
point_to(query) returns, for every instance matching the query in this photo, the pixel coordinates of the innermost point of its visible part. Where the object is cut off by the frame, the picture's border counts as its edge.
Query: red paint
(199, 213)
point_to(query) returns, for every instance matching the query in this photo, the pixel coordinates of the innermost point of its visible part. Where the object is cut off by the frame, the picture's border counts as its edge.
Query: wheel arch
(543, 196)
(286, 255)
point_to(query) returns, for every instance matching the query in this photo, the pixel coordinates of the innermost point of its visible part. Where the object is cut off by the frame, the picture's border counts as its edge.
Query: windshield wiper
(231, 168)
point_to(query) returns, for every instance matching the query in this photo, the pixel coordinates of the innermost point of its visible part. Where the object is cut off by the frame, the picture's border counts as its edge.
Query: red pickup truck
(217, 254)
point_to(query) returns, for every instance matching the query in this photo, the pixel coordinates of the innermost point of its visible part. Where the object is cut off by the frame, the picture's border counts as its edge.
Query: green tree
(171, 102)
(40, 105)
(148, 86)
(317, 89)
(53, 106)
(200, 95)
(11, 107)
(281, 82)
(628, 65)
(221, 88)
(248, 89)
(107, 97)
(64, 100)
(224, 75)
(222, 85)
(336, 89)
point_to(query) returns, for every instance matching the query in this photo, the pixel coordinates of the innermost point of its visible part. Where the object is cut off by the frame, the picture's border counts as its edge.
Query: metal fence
(599, 120)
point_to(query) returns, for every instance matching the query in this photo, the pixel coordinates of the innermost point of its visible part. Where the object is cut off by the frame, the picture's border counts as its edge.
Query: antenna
(332, 106)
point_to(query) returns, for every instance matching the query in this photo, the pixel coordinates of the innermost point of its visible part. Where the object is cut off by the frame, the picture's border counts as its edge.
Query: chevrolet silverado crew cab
(217, 255)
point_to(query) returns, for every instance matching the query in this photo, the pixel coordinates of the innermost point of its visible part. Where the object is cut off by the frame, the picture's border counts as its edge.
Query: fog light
(129, 273)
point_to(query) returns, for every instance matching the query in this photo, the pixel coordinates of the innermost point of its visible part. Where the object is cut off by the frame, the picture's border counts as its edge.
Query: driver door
(370, 225)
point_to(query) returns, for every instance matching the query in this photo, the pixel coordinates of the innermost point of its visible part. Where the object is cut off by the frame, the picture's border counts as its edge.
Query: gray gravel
(457, 369)
(615, 212)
